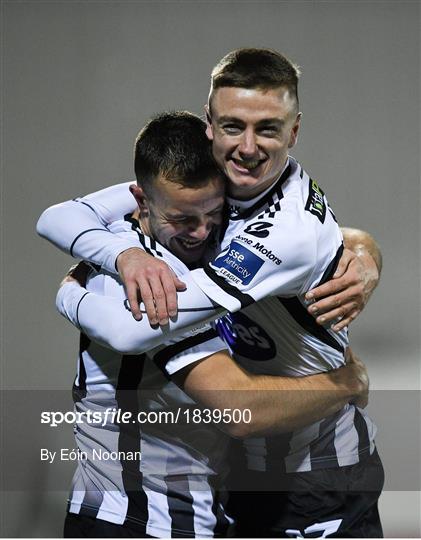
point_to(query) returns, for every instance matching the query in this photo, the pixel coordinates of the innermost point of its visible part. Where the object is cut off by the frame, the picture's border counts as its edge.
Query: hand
(77, 273)
(341, 300)
(153, 281)
(359, 372)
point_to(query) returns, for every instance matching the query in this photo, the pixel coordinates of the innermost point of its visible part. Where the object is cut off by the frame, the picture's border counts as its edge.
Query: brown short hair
(255, 68)
(174, 144)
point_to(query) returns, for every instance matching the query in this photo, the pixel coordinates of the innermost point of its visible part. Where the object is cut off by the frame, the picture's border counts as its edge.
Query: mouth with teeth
(190, 244)
(188, 250)
(247, 165)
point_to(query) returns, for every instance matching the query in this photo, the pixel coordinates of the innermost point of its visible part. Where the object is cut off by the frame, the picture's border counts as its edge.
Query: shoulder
(129, 227)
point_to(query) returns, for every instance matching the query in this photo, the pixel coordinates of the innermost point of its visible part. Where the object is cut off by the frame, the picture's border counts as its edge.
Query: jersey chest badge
(238, 264)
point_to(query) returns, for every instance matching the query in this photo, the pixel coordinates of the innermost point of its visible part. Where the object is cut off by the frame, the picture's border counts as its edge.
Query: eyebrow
(176, 215)
(217, 209)
(271, 121)
(229, 119)
(266, 121)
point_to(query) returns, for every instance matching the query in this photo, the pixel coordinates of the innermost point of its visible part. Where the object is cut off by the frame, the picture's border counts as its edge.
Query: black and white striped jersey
(275, 248)
(160, 473)
(275, 337)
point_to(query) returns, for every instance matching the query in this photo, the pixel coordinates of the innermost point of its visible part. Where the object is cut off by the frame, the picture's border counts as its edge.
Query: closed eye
(232, 129)
(269, 131)
(180, 219)
(215, 212)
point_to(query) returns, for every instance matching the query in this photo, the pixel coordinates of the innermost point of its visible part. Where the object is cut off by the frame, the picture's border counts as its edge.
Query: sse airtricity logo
(238, 264)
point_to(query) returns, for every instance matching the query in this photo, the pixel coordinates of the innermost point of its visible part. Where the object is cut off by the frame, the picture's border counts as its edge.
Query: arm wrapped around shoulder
(108, 320)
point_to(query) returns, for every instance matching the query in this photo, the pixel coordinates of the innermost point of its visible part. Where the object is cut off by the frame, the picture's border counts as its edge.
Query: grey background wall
(81, 78)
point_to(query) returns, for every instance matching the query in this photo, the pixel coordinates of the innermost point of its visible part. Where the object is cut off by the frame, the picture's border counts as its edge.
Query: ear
(209, 128)
(140, 196)
(293, 138)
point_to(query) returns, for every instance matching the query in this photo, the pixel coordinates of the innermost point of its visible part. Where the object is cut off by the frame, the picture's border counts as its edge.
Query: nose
(248, 146)
(202, 228)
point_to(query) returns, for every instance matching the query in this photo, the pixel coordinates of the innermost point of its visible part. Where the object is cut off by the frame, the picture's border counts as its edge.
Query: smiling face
(181, 218)
(251, 132)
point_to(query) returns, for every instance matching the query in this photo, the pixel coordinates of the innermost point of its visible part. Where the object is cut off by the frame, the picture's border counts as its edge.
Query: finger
(338, 314)
(179, 285)
(132, 296)
(337, 327)
(327, 305)
(340, 325)
(351, 295)
(159, 299)
(148, 301)
(331, 287)
(170, 290)
(344, 261)
(350, 278)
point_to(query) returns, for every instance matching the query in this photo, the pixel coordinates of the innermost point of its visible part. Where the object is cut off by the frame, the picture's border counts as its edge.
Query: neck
(241, 194)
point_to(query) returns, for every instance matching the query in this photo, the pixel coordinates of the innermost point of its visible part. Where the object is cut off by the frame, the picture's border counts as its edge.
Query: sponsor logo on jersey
(315, 202)
(198, 329)
(234, 211)
(238, 264)
(259, 229)
(267, 253)
(260, 248)
(244, 239)
(250, 340)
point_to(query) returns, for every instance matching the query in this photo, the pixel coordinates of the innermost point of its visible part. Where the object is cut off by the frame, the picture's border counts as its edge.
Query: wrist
(370, 259)
(347, 382)
(123, 255)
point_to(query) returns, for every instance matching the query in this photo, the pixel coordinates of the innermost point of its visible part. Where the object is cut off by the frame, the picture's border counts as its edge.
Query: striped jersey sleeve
(81, 227)
(187, 349)
(108, 320)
